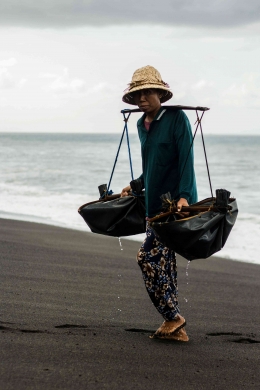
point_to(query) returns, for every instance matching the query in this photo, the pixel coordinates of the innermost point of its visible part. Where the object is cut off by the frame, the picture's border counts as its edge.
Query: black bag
(117, 217)
(112, 215)
(201, 234)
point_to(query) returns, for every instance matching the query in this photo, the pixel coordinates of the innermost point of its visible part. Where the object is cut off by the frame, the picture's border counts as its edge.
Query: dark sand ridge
(75, 315)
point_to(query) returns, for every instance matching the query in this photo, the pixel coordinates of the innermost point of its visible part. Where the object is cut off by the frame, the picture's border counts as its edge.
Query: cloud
(202, 84)
(68, 86)
(104, 88)
(73, 13)
(6, 79)
(65, 85)
(245, 93)
(47, 76)
(6, 63)
(22, 82)
(200, 92)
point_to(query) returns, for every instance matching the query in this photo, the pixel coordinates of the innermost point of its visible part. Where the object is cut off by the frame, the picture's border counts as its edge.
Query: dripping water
(118, 297)
(187, 272)
(187, 277)
(120, 244)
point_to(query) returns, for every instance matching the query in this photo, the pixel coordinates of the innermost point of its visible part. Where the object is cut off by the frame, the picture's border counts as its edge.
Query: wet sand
(75, 315)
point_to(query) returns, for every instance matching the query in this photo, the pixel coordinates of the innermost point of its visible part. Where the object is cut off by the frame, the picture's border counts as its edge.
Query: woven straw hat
(146, 77)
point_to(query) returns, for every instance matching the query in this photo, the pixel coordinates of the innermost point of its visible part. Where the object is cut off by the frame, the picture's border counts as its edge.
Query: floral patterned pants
(159, 269)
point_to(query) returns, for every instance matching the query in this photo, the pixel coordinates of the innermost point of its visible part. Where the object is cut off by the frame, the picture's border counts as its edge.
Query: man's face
(148, 100)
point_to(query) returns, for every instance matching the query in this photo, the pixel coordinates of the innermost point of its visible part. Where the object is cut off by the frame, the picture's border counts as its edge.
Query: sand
(75, 315)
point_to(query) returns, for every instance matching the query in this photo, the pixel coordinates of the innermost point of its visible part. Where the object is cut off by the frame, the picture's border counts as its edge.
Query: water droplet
(120, 243)
(187, 277)
(187, 268)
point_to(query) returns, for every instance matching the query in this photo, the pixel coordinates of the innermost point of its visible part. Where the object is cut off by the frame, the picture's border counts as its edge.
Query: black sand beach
(75, 315)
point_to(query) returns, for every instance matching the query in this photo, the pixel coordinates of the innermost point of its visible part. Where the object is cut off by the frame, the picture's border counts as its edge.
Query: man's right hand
(125, 191)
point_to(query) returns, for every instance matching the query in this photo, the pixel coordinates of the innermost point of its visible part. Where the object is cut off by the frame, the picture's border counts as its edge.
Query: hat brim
(167, 94)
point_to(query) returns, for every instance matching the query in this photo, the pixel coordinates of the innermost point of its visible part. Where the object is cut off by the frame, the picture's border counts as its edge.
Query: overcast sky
(64, 64)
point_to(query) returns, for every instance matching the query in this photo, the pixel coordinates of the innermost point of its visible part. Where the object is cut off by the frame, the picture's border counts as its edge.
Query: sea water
(46, 177)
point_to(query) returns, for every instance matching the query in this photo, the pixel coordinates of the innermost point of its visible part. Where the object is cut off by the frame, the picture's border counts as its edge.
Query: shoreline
(84, 229)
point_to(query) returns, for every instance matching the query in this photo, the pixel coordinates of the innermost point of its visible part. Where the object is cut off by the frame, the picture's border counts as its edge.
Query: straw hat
(146, 77)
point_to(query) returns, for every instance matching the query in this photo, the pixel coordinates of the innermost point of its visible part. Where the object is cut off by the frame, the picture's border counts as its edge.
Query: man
(165, 137)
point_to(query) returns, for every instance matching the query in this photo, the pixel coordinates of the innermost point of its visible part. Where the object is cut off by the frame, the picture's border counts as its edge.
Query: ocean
(45, 178)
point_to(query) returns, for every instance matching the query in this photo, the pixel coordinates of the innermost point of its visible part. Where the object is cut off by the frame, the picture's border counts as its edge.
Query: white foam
(31, 204)
(242, 244)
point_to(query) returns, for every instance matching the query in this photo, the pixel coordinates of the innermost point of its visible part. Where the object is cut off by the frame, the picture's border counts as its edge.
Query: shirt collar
(158, 115)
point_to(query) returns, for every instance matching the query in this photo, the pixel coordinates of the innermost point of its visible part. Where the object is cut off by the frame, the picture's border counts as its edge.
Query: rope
(106, 193)
(120, 143)
(205, 154)
(198, 122)
(128, 145)
(135, 194)
(172, 204)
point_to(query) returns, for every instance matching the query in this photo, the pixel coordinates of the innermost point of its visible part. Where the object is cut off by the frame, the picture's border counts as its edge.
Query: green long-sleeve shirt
(165, 148)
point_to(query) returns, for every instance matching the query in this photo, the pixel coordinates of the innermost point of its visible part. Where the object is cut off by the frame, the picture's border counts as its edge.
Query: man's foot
(178, 335)
(169, 327)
